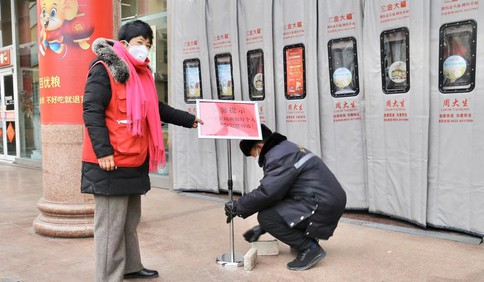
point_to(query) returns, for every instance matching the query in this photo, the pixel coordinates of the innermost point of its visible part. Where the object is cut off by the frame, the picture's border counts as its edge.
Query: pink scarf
(142, 103)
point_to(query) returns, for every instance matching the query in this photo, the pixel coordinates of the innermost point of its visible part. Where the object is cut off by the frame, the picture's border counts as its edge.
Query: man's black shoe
(254, 233)
(143, 273)
(307, 258)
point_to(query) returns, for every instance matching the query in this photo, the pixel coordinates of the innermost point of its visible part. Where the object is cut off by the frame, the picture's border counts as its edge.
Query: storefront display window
(343, 67)
(395, 66)
(457, 57)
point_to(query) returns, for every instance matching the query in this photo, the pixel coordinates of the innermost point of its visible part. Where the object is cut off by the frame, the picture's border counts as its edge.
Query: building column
(63, 67)
(65, 212)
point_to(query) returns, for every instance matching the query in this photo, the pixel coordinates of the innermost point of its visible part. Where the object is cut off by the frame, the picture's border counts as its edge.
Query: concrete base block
(266, 247)
(250, 259)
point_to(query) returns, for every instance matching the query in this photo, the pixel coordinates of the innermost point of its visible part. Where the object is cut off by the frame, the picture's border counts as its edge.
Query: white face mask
(139, 52)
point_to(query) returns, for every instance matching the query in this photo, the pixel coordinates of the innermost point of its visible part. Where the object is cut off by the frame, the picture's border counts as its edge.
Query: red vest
(129, 150)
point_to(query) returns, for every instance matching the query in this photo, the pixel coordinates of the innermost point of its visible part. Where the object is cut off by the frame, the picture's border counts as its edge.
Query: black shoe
(143, 273)
(253, 234)
(307, 258)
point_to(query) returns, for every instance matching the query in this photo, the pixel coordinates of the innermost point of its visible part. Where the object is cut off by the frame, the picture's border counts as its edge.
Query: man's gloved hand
(230, 210)
(253, 234)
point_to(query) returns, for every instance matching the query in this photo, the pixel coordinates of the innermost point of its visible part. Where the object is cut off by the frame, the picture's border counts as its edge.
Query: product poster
(192, 81)
(224, 77)
(458, 40)
(395, 60)
(343, 66)
(65, 53)
(255, 64)
(295, 72)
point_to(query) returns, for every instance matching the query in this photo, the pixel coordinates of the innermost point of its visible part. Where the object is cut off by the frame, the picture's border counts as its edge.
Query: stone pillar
(65, 211)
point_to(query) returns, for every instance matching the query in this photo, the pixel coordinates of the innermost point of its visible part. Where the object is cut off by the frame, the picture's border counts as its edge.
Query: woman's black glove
(230, 210)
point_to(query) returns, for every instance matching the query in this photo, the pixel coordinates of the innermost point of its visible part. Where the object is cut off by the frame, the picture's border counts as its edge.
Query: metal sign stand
(230, 259)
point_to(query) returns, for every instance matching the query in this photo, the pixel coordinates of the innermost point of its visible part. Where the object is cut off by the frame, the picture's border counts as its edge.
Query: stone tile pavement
(181, 235)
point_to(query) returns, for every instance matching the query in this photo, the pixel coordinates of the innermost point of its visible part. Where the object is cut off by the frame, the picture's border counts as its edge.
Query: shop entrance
(8, 132)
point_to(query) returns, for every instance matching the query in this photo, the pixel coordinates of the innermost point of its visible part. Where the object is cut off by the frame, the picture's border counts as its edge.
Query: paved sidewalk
(181, 236)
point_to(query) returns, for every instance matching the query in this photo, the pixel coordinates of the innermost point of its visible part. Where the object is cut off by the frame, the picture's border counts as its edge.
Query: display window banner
(190, 82)
(396, 52)
(456, 154)
(341, 96)
(223, 50)
(256, 69)
(66, 31)
(296, 73)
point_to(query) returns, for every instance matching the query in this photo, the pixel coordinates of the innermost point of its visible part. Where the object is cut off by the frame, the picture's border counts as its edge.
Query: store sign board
(229, 119)
(5, 60)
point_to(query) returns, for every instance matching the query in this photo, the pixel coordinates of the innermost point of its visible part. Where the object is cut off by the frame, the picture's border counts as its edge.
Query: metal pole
(232, 259)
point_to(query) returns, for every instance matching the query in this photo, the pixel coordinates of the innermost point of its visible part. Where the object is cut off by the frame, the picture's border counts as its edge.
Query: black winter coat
(97, 95)
(298, 185)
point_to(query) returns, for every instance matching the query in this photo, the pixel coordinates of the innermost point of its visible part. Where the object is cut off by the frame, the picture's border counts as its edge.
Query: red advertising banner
(229, 119)
(294, 71)
(66, 32)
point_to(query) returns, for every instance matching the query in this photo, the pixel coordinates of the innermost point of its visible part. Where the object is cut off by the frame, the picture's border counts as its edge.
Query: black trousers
(271, 222)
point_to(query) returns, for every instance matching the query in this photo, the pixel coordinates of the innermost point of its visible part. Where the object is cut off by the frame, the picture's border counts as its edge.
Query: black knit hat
(247, 145)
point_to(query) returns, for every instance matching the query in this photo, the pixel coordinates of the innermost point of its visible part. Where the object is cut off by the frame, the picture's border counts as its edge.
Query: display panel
(255, 66)
(193, 80)
(223, 71)
(343, 67)
(457, 57)
(395, 66)
(294, 71)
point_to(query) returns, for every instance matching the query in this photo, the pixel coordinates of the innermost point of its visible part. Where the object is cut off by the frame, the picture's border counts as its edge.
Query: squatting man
(298, 201)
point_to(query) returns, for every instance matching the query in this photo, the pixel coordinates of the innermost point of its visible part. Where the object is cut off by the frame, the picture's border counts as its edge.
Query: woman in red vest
(123, 142)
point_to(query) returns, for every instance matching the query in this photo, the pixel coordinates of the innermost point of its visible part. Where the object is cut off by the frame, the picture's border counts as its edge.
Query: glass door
(8, 131)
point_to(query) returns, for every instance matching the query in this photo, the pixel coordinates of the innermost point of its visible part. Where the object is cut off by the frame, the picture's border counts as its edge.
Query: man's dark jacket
(97, 95)
(298, 185)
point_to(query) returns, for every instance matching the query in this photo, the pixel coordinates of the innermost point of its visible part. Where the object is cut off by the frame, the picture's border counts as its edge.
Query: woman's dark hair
(134, 29)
